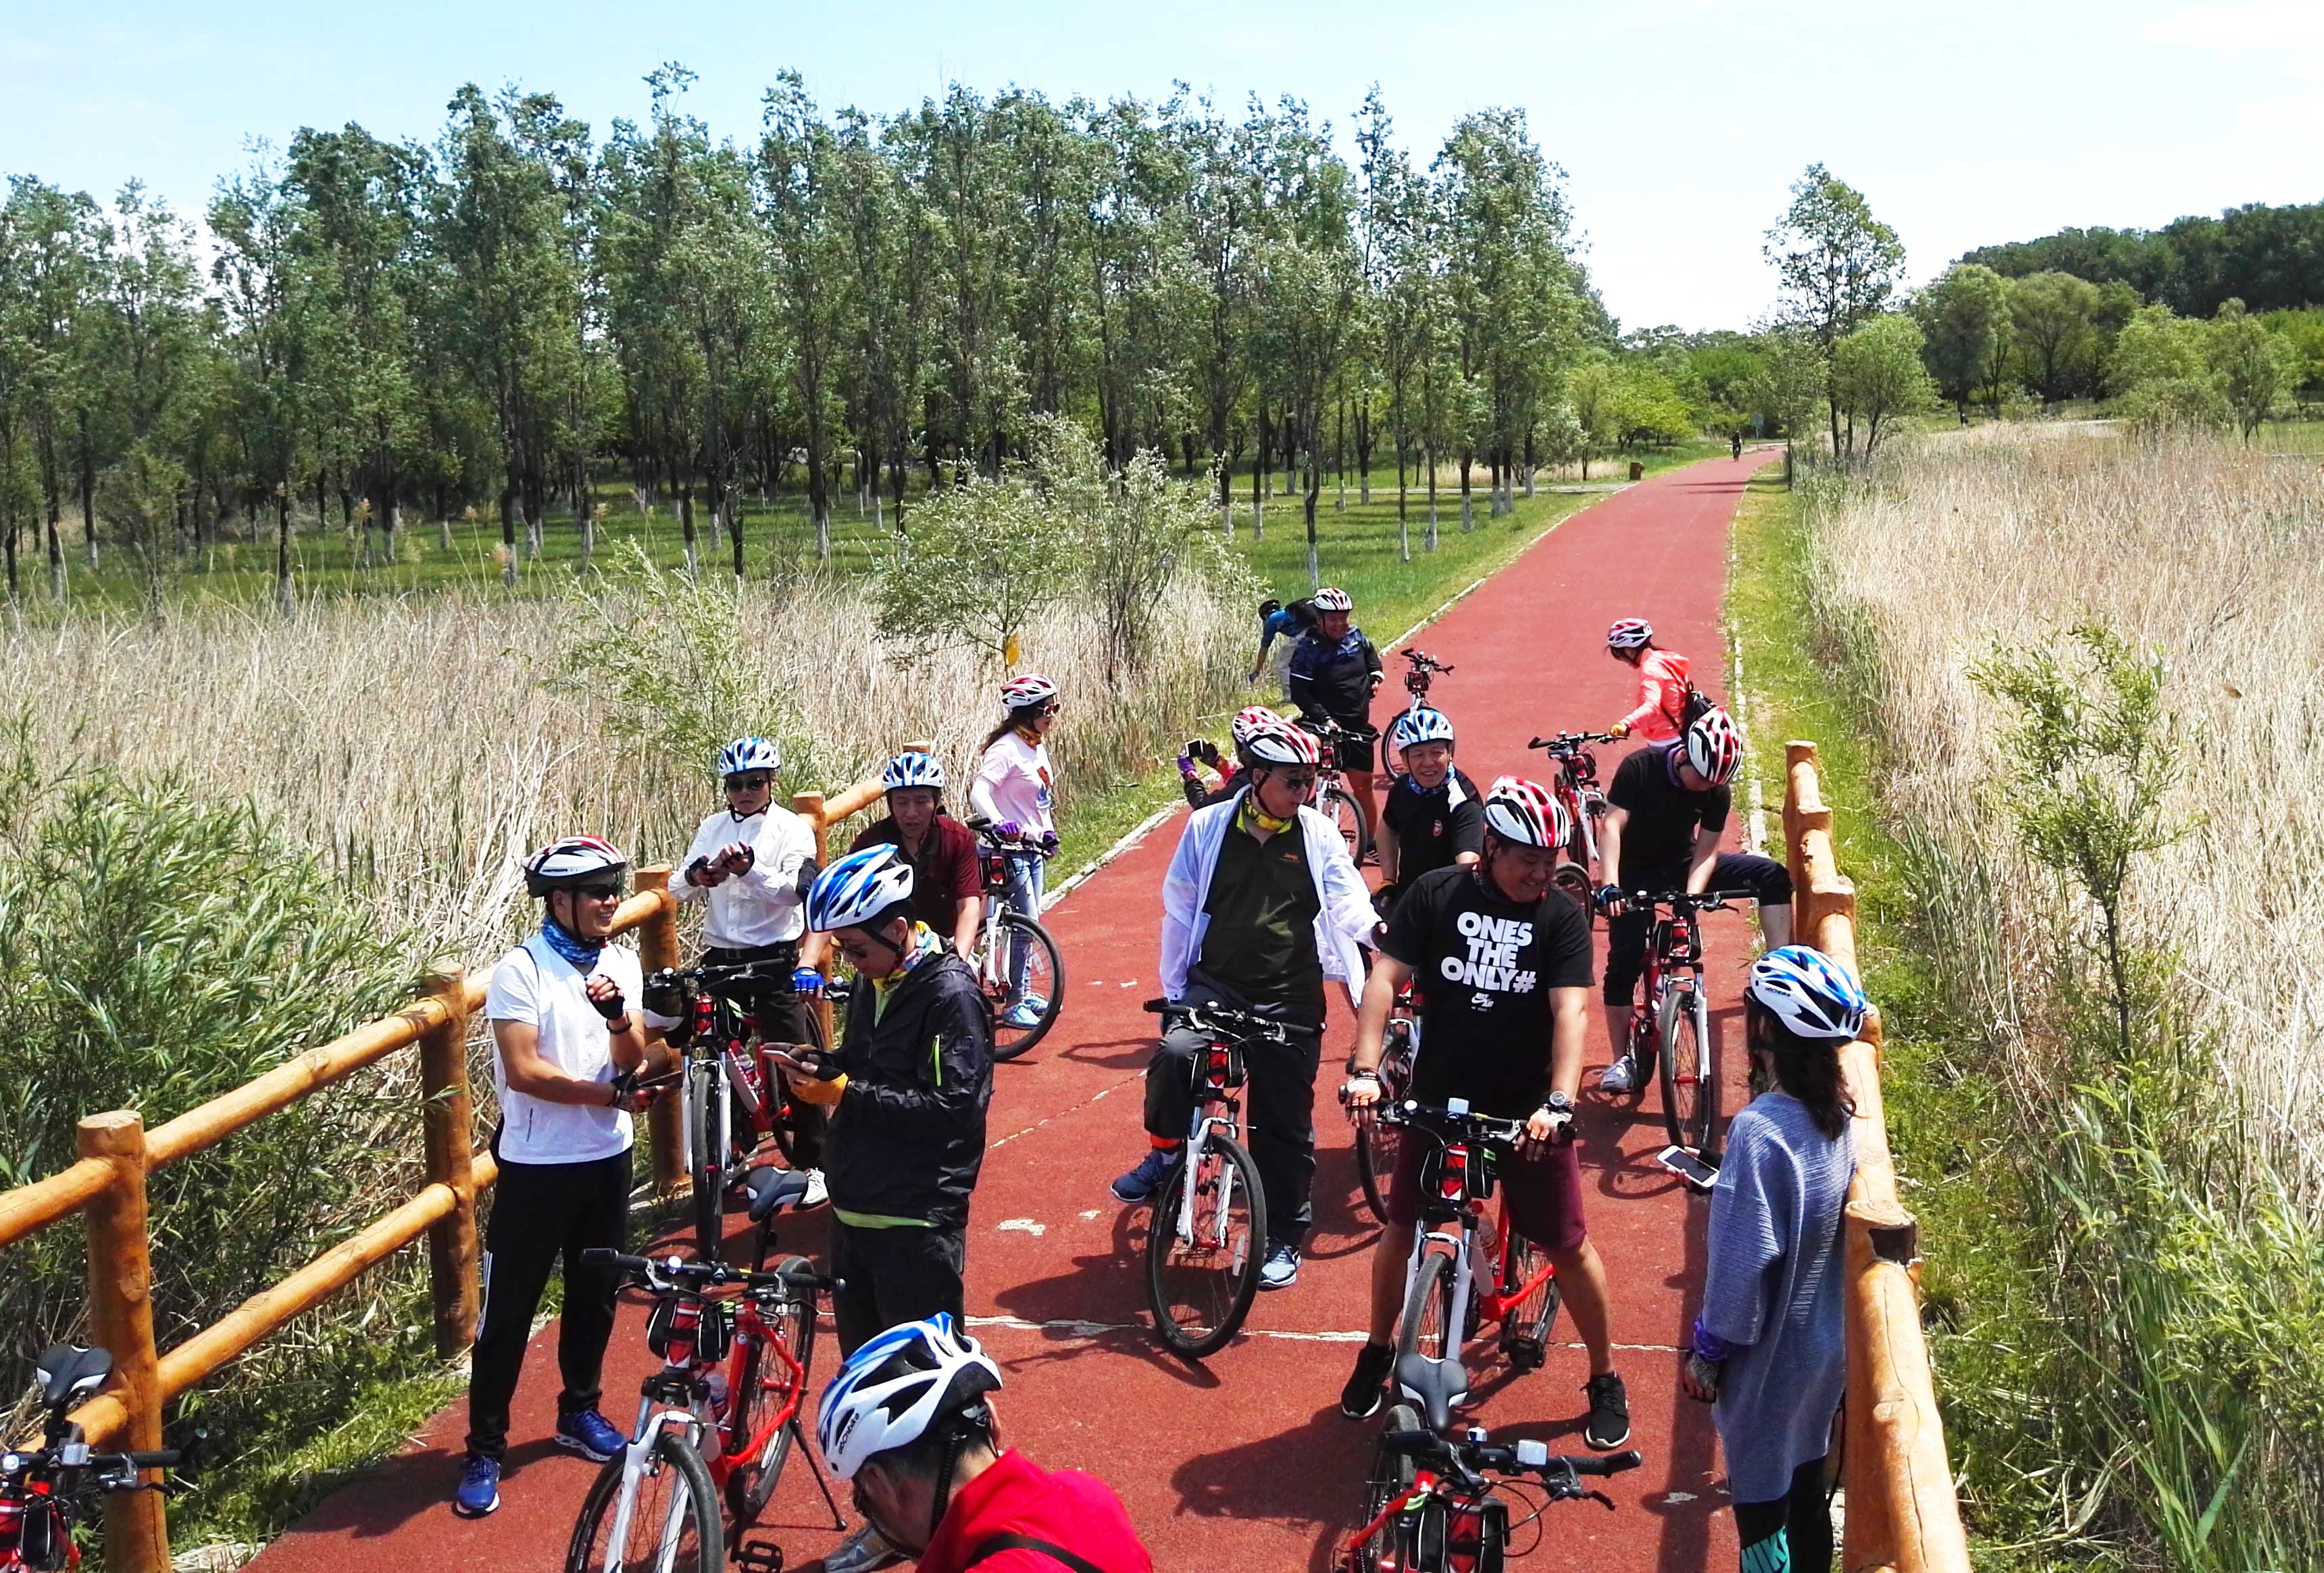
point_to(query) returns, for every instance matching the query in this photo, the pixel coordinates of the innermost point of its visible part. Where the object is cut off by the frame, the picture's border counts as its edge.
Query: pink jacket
(1661, 696)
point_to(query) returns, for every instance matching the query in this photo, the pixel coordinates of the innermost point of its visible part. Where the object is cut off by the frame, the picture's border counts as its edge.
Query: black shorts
(1769, 882)
(1544, 1191)
(1358, 749)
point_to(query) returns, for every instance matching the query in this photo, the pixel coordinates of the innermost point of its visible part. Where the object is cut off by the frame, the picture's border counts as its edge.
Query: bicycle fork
(1197, 1140)
(638, 1461)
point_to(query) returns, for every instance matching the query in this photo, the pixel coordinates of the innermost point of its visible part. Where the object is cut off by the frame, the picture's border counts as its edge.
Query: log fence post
(666, 1119)
(121, 1320)
(447, 1129)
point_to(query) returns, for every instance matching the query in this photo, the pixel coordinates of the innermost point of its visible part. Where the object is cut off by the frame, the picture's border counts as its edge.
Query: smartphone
(1688, 1167)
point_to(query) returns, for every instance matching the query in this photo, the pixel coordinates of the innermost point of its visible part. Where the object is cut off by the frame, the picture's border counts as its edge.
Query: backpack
(1693, 701)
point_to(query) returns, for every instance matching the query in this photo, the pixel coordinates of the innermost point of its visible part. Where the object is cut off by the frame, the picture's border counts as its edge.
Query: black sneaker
(1360, 1399)
(1609, 1412)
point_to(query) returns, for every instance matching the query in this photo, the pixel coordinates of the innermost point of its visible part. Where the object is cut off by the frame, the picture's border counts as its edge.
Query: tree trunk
(1339, 457)
(1467, 516)
(724, 508)
(1258, 488)
(1431, 544)
(283, 550)
(508, 532)
(87, 492)
(685, 525)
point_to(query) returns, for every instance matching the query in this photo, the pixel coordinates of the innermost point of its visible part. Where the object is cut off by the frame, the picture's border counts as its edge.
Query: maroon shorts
(1544, 1192)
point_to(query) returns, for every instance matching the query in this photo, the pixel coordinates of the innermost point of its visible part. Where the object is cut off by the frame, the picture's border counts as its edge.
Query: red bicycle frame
(751, 1329)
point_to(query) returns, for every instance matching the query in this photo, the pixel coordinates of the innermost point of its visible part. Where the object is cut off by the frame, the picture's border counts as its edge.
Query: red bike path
(1243, 1461)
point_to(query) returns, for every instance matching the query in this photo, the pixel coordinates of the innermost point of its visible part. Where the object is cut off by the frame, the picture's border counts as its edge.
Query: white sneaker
(1622, 1076)
(817, 1193)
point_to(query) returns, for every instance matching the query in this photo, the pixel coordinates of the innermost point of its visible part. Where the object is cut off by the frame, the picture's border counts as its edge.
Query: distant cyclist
(1502, 959)
(947, 884)
(1334, 672)
(1201, 793)
(1664, 687)
(749, 865)
(1015, 789)
(1433, 815)
(909, 1423)
(1666, 811)
(1276, 620)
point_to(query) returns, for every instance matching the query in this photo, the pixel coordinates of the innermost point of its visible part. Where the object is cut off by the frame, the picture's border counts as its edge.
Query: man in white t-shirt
(570, 1032)
(751, 865)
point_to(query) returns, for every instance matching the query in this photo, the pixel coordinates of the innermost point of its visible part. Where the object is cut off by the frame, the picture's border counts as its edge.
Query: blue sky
(1680, 123)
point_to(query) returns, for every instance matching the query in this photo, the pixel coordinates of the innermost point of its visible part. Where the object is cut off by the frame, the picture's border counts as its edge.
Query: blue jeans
(1025, 875)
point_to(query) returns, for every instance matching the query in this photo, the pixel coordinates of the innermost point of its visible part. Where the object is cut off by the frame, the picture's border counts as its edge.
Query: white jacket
(1344, 925)
(762, 907)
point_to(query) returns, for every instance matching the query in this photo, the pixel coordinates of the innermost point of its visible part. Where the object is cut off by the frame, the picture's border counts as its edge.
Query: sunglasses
(1299, 783)
(749, 784)
(598, 893)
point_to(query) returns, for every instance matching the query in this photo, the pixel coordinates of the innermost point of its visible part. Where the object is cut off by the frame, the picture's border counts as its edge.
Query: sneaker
(817, 1193)
(1360, 1399)
(1609, 1426)
(1026, 1013)
(861, 1552)
(589, 1434)
(480, 1487)
(1622, 1076)
(1282, 1268)
(1141, 1182)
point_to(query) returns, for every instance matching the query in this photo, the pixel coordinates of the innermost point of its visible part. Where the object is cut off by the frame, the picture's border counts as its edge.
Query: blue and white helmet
(1808, 993)
(858, 888)
(912, 768)
(898, 1385)
(1422, 724)
(750, 753)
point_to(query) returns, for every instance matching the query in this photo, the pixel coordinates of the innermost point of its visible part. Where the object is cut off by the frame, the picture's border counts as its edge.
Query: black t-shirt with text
(1433, 827)
(1658, 837)
(1485, 967)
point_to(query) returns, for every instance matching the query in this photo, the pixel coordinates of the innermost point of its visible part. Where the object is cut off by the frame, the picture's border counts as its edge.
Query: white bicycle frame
(1681, 993)
(1455, 1237)
(1198, 1137)
(637, 1458)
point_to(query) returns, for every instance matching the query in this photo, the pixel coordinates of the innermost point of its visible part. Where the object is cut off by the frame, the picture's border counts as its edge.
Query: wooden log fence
(115, 1153)
(1902, 1510)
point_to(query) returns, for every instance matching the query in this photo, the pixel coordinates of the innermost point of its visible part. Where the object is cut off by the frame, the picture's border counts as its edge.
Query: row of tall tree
(494, 319)
(2271, 258)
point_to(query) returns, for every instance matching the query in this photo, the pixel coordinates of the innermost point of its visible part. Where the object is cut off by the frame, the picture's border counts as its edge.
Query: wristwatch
(1557, 1103)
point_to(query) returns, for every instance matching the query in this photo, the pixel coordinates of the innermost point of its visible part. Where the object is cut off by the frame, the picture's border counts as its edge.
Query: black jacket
(907, 1138)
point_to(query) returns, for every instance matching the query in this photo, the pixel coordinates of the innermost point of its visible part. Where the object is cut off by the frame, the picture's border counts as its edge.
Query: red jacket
(1017, 1497)
(1662, 696)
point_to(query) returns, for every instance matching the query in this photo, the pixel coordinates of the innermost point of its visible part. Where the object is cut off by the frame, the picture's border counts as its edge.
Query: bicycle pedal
(1526, 1354)
(760, 1557)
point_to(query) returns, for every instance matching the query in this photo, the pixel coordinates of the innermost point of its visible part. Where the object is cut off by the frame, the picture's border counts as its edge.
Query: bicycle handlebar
(1231, 1022)
(1473, 1458)
(986, 833)
(678, 1275)
(1685, 900)
(1459, 1123)
(1568, 742)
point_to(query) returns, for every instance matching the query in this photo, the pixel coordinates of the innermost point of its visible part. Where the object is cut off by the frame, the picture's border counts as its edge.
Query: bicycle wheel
(1045, 980)
(673, 1521)
(1684, 1067)
(766, 1386)
(1428, 1315)
(709, 1175)
(1339, 807)
(1389, 1479)
(1573, 879)
(1200, 1288)
(1525, 1326)
(1376, 1149)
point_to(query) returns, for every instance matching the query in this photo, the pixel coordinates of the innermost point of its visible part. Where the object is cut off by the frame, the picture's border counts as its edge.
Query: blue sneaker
(1281, 1269)
(1141, 1182)
(1026, 1013)
(480, 1487)
(589, 1434)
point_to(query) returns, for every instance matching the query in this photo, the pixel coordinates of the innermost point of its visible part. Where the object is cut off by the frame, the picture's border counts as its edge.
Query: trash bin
(1638, 471)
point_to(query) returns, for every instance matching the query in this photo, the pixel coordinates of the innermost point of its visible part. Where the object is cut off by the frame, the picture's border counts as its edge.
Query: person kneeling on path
(1666, 811)
(915, 1070)
(568, 1044)
(1768, 1348)
(1260, 906)
(1503, 961)
(909, 1423)
(751, 865)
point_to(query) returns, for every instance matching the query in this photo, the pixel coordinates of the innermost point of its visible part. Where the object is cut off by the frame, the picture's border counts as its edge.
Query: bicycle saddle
(1435, 1384)
(69, 1371)
(772, 1189)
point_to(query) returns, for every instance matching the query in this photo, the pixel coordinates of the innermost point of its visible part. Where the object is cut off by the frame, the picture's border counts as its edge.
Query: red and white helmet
(1333, 598)
(1279, 744)
(1715, 747)
(1022, 693)
(1250, 720)
(1630, 634)
(570, 860)
(1526, 813)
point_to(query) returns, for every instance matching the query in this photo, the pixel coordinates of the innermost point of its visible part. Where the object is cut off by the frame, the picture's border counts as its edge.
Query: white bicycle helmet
(858, 888)
(1715, 747)
(1248, 719)
(1333, 598)
(1808, 993)
(568, 861)
(1526, 813)
(912, 768)
(1630, 634)
(1422, 724)
(1022, 693)
(750, 753)
(897, 1387)
(1280, 746)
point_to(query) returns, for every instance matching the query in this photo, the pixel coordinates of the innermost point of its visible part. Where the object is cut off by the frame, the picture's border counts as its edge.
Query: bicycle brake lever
(1601, 1498)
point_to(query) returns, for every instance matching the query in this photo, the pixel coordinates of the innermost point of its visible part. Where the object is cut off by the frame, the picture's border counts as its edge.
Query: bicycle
(1424, 668)
(1671, 1018)
(1465, 1269)
(1430, 1503)
(1005, 935)
(1332, 796)
(717, 1422)
(1377, 1144)
(1577, 787)
(736, 1099)
(47, 1492)
(1205, 1241)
